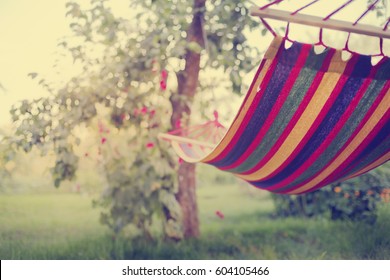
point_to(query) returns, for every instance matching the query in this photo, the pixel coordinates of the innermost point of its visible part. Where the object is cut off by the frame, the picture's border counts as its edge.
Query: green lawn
(65, 226)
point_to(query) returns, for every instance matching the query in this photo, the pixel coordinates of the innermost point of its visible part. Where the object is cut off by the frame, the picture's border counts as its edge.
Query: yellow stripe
(239, 118)
(359, 138)
(273, 48)
(375, 164)
(270, 54)
(300, 129)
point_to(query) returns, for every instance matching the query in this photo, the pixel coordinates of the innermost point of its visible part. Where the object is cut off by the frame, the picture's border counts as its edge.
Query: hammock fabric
(308, 120)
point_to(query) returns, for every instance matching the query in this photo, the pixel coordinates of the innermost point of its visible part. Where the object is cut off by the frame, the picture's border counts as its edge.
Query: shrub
(355, 199)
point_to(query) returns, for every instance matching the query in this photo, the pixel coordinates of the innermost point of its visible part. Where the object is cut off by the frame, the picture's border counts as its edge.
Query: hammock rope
(307, 120)
(370, 8)
(270, 4)
(337, 10)
(304, 7)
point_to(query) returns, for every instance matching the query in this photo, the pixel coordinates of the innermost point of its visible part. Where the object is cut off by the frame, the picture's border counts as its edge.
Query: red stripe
(252, 108)
(329, 139)
(362, 123)
(372, 134)
(295, 119)
(276, 108)
(384, 91)
(357, 173)
(324, 111)
(334, 176)
(242, 105)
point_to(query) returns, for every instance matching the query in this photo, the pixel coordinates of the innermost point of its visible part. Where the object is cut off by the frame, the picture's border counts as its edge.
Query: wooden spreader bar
(320, 22)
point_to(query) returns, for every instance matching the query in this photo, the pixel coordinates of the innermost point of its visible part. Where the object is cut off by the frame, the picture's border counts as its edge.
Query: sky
(30, 31)
(29, 34)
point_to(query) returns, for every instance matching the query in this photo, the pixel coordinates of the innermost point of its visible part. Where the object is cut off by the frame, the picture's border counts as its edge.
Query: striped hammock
(308, 120)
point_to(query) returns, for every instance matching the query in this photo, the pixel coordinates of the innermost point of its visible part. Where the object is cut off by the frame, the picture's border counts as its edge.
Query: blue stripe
(341, 103)
(271, 94)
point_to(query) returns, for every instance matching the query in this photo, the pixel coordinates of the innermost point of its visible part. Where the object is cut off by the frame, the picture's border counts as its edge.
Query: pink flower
(220, 214)
(152, 112)
(178, 124)
(149, 145)
(164, 75)
(163, 85)
(144, 110)
(180, 160)
(163, 81)
(103, 140)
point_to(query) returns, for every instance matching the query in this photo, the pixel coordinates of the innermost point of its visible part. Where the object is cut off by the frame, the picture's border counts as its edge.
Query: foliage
(355, 199)
(381, 8)
(137, 185)
(226, 27)
(126, 81)
(6, 156)
(119, 84)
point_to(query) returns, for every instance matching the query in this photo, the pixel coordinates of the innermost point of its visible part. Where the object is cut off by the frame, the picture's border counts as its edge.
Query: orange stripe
(380, 111)
(300, 129)
(271, 53)
(375, 164)
(240, 117)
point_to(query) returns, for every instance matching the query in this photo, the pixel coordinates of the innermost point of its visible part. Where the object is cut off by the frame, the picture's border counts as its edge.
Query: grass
(65, 226)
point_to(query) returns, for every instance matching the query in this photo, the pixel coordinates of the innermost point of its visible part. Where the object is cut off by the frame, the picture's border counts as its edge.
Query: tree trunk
(187, 84)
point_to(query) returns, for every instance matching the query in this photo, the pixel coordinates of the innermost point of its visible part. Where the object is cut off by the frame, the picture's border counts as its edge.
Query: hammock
(308, 120)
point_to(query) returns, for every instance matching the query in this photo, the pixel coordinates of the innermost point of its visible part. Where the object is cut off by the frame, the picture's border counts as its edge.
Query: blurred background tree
(139, 77)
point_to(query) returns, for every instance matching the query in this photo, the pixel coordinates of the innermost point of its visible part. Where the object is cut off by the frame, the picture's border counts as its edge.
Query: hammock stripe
(308, 120)
(325, 152)
(316, 146)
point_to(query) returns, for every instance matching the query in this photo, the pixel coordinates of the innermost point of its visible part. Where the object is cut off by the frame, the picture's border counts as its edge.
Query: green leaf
(194, 47)
(57, 182)
(32, 75)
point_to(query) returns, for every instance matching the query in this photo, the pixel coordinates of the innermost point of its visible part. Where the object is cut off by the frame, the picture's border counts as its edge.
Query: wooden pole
(319, 22)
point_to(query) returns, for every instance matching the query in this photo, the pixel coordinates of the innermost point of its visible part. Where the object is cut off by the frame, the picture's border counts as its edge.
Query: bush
(355, 199)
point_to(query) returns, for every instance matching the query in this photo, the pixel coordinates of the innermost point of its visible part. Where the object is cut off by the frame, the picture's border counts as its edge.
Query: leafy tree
(7, 154)
(139, 77)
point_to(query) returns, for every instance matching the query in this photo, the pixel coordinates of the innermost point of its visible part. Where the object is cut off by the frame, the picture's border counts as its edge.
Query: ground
(236, 223)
